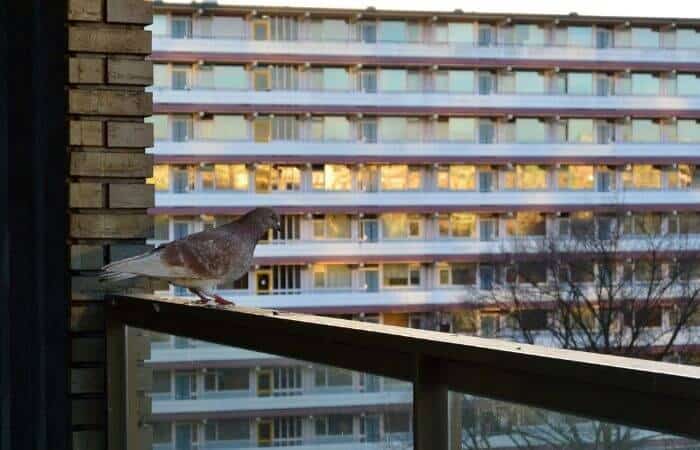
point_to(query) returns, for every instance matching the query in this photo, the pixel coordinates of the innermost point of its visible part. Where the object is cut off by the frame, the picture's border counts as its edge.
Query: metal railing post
(116, 384)
(431, 430)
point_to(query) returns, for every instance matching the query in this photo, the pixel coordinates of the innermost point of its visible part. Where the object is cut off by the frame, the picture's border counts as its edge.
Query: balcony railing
(652, 395)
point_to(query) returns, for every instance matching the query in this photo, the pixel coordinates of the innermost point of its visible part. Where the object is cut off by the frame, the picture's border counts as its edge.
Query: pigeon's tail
(108, 277)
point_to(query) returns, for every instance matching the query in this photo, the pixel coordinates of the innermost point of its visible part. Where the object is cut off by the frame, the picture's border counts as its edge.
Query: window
(646, 131)
(335, 79)
(331, 177)
(284, 128)
(575, 177)
(489, 324)
(580, 131)
(393, 129)
(579, 36)
(181, 128)
(226, 380)
(223, 128)
(160, 126)
(331, 226)
(457, 225)
(645, 84)
(642, 176)
(401, 226)
(642, 224)
(161, 228)
(284, 29)
(227, 430)
(261, 79)
(685, 37)
(368, 81)
(181, 27)
(334, 425)
(532, 319)
(487, 131)
(456, 178)
(160, 178)
(336, 128)
(392, 80)
(332, 377)
(579, 83)
(162, 433)
(457, 274)
(526, 177)
(231, 77)
(526, 224)
(486, 35)
(368, 32)
(460, 32)
(531, 35)
(392, 31)
(277, 178)
(530, 131)
(688, 131)
(330, 30)
(688, 85)
(462, 129)
(684, 177)
(645, 37)
(231, 177)
(400, 178)
(401, 275)
(368, 131)
(461, 80)
(529, 83)
(332, 276)
(161, 382)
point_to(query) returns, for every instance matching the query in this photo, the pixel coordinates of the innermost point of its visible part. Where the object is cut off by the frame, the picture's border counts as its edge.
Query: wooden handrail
(659, 396)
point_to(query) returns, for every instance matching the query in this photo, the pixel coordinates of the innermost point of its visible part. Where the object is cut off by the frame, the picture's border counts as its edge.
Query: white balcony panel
(427, 100)
(242, 404)
(205, 352)
(419, 50)
(423, 149)
(426, 199)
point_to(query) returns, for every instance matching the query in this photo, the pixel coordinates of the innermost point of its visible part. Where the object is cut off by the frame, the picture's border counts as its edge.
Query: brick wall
(108, 197)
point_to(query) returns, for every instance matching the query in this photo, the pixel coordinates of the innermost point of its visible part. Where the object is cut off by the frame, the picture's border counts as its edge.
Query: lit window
(332, 276)
(527, 177)
(526, 224)
(401, 275)
(332, 226)
(457, 225)
(160, 178)
(277, 178)
(458, 274)
(457, 177)
(684, 177)
(400, 178)
(331, 177)
(401, 226)
(575, 177)
(642, 176)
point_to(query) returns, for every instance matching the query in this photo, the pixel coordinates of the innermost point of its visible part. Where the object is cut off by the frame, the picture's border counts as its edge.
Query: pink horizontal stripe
(465, 111)
(372, 159)
(425, 61)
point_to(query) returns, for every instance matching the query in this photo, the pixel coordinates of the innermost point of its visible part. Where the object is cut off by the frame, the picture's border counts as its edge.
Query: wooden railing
(657, 396)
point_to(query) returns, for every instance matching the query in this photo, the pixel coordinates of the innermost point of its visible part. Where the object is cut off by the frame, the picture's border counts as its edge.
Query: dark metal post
(116, 384)
(430, 407)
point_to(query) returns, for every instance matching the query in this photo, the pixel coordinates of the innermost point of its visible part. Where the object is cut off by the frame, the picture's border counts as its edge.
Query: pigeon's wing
(148, 264)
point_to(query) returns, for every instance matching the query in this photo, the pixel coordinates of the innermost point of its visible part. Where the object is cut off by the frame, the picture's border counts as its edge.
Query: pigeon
(201, 261)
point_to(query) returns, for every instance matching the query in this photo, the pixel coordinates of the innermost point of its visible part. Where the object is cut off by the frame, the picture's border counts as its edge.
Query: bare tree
(599, 285)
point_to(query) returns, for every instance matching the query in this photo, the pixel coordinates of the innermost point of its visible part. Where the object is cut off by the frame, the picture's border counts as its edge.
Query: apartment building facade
(405, 151)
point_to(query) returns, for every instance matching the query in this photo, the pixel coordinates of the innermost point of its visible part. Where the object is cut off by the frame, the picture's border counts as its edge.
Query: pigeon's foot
(202, 301)
(219, 300)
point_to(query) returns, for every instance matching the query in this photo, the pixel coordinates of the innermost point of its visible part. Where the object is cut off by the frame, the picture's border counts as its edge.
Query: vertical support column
(108, 196)
(431, 429)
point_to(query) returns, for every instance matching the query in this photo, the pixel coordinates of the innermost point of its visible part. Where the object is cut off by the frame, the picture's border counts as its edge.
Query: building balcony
(219, 100)
(246, 404)
(418, 152)
(203, 202)
(429, 53)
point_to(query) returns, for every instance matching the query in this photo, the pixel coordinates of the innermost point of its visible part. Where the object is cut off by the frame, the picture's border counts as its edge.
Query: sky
(639, 8)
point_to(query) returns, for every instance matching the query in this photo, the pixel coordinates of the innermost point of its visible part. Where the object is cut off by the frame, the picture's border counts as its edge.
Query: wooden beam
(660, 396)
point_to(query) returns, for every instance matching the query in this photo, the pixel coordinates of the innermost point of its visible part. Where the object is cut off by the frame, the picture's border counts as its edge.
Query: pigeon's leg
(203, 299)
(222, 301)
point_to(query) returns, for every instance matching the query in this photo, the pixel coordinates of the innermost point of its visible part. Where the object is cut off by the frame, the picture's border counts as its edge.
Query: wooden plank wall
(108, 196)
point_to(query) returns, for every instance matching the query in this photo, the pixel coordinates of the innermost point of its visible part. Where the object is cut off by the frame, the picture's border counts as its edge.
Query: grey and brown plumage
(200, 261)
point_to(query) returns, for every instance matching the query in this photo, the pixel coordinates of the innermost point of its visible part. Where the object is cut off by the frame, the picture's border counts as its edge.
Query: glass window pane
(531, 35)
(462, 129)
(395, 275)
(462, 225)
(461, 80)
(685, 38)
(334, 30)
(394, 177)
(160, 126)
(392, 80)
(580, 36)
(337, 226)
(529, 131)
(579, 83)
(688, 131)
(337, 177)
(394, 226)
(645, 131)
(688, 84)
(529, 82)
(336, 128)
(393, 128)
(335, 79)
(230, 77)
(230, 128)
(645, 84)
(392, 31)
(462, 177)
(645, 37)
(580, 130)
(460, 32)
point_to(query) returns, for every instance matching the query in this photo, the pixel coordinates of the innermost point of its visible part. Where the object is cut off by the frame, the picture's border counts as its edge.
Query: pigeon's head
(264, 219)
